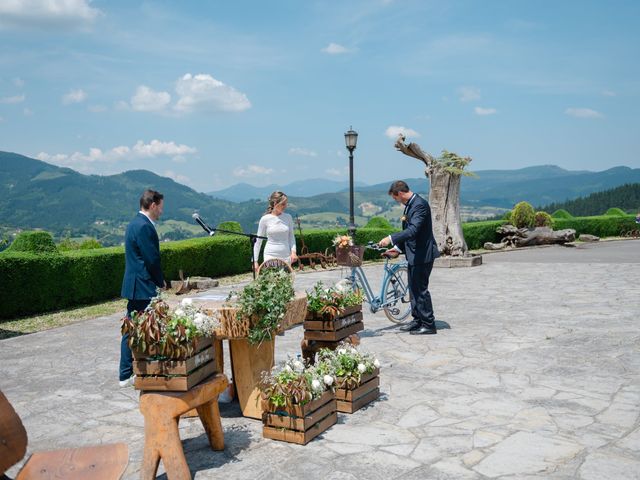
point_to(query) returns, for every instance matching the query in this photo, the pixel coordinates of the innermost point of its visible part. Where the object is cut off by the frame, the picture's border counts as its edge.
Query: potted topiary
(172, 349)
(297, 402)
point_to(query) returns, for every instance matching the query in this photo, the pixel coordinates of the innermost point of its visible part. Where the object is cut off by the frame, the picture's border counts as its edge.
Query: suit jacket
(416, 239)
(143, 272)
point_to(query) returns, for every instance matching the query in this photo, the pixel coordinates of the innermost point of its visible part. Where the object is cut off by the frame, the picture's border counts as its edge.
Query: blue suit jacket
(143, 272)
(416, 239)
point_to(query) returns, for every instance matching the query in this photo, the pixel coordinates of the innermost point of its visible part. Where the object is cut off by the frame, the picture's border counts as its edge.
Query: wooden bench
(162, 412)
(104, 462)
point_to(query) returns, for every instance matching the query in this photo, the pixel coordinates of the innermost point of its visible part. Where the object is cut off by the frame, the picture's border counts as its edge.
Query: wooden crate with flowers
(172, 349)
(297, 401)
(356, 373)
(333, 313)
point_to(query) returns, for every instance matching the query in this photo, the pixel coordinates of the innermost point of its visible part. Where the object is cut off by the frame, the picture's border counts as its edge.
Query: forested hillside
(626, 197)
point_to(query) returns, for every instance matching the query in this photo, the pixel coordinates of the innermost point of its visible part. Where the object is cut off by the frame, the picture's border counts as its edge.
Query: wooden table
(248, 361)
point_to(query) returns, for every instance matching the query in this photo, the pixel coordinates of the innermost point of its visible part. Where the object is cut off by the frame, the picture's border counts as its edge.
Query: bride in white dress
(277, 226)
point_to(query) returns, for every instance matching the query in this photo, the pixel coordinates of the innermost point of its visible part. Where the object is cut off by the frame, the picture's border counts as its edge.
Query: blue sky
(216, 93)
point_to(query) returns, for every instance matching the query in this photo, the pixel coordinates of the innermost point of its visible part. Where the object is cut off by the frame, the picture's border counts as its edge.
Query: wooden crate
(350, 400)
(333, 329)
(177, 375)
(300, 424)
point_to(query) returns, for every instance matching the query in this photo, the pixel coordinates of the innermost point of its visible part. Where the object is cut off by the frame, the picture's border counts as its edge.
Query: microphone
(200, 222)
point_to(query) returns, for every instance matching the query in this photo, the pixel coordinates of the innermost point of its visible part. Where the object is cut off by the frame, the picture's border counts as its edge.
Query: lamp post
(351, 138)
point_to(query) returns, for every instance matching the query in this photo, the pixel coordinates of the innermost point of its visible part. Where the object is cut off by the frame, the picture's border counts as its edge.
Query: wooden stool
(104, 462)
(162, 412)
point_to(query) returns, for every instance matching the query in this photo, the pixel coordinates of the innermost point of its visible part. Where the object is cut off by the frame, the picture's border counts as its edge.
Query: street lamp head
(351, 138)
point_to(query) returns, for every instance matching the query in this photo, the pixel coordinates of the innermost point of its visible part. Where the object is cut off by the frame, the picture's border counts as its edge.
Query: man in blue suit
(416, 241)
(143, 272)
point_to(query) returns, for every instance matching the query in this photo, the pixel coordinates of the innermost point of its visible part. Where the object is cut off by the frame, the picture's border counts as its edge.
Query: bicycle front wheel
(396, 296)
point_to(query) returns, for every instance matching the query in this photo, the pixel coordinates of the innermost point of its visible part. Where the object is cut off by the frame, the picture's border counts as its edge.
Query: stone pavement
(538, 376)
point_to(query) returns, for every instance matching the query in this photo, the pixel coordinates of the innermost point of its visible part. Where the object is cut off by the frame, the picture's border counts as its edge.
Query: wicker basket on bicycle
(350, 256)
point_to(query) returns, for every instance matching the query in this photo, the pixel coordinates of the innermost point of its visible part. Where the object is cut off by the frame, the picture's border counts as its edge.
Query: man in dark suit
(416, 241)
(143, 272)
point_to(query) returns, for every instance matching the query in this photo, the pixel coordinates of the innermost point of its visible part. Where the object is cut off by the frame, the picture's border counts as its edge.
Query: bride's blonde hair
(276, 198)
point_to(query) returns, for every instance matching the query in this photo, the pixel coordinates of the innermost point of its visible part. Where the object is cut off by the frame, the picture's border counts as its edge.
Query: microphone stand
(253, 238)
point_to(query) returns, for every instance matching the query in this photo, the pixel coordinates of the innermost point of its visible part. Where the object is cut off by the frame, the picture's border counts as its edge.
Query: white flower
(287, 368)
(328, 379)
(298, 365)
(341, 351)
(315, 384)
(199, 319)
(179, 312)
(376, 363)
(186, 302)
(361, 368)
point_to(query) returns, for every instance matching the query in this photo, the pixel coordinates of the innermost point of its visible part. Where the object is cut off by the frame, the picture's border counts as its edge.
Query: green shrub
(230, 226)
(378, 222)
(602, 226)
(615, 212)
(523, 215)
(507, 216)
(561, 213)
(34, 242)
(476, 234)
(68, 244)
(543, 219)
(90, 244)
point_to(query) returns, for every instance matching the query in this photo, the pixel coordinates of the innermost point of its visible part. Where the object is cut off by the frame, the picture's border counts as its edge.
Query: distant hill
(626, 197)
(35, 194)
(302, 188)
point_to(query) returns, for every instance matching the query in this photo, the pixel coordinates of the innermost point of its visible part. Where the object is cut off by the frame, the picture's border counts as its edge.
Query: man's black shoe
(412, 325)
(423, 330)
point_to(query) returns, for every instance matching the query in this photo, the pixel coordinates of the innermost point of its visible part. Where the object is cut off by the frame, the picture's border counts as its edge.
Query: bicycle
(394, 293)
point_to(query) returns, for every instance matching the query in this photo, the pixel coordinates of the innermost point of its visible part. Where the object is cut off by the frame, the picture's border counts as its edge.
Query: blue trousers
(421, 306)
(126, 358)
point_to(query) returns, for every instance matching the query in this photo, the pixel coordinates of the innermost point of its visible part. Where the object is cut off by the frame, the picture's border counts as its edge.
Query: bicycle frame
(376, 302)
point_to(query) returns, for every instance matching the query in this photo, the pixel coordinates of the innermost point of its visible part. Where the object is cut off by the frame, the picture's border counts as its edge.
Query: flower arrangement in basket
(298, 401)
(332, 301)
(348, 254)
(163, 333)
(347, 363)
(356, 374)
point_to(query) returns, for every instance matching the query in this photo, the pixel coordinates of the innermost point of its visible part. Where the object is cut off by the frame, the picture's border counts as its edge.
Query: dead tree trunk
(444, 197)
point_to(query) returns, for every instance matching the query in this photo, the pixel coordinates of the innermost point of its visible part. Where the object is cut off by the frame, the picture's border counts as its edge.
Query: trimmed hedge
(37, 241)
(378, 222)
(477, 233)
(561, 213)
(615, 212)
(602, 225)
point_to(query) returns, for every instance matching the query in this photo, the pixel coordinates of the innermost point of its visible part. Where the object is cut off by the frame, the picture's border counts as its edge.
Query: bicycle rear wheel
(396, 295)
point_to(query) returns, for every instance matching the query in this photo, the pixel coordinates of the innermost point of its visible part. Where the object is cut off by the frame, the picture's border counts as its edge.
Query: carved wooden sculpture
(523, 237)
(444, 195)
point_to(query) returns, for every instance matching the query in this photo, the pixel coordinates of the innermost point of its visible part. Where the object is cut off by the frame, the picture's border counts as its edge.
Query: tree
(444, 176)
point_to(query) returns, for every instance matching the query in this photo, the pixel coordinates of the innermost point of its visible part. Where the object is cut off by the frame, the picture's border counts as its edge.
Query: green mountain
(626, 197)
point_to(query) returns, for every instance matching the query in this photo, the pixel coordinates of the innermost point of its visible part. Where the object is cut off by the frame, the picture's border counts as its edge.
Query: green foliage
(264, 301)
(87, 244)
(601, 226)
(476, 234)
(523, 215)
(561, 214)
(347, 363)
(34, 242)
(230, 226)
(331, 301)
(455, 164)
(378, 222)
(507, 216)
(625, 197)
(616, 212)
(543, 219)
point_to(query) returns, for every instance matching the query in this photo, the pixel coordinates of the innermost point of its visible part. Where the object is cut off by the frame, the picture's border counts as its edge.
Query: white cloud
(177, 177)
(147, 100)
(202, 92)
(336, 172)
(251, 171)
(47, 13)
(608, 93)
(394, 130)
(484, 111)
(74, 96)
(582, 113)
(302, 151)
(140, 150)
(335, 49)
(468, 94)
(18, 82)
(13, 99)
